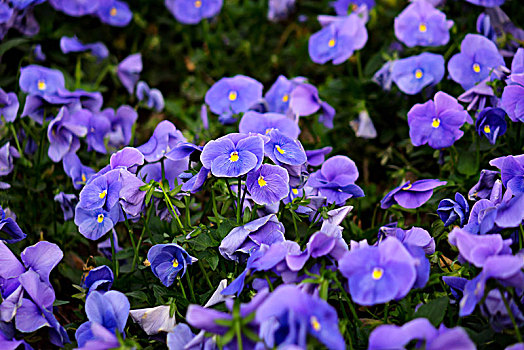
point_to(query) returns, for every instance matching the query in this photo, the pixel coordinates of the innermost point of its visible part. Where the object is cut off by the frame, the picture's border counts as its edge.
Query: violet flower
(98, 49)
(7, 153)
(95, 223)
(37, 80)
(484, 186)
(9, 106)
(193, 11)
(78, 172)
(100, 279)
(411, 195)
(478, 57)
(129, 70)
(336, 180)
(9, 227)
(264, 123)
(420, 24)
(67, 203)
(164, 138)
(101, 192)
(487, 3)
(278, 97)
(268, 185)
(279, 9)
(414, 73)
(284, 150)
(317, 156)
(437, 122)
(75, 8)
(115, 13)
(305, 101)
(512, 98)
(167, 260)
(234, 95)
(345, 7)
(122, 126)
(244, 240)
(233, 155)
(491, 123)
(153, 97)
(338, 40)
(63, 133)
(380, 274)
(451, 210)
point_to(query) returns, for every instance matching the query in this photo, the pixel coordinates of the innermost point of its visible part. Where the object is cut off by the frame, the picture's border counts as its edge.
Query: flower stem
(511, 316)
(239, 196)
(113, 254)
(205, 275)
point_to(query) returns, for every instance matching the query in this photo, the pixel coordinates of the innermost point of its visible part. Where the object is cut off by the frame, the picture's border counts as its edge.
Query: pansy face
(193, 11)
(167, 260)
(268, 185)
(41, 81)
(282, 149)
(491, 123)
(95, 223)
(414, 73)
(115, 13)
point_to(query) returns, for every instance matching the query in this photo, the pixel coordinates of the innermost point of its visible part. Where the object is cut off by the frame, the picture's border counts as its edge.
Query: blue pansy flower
(491, 123)
(414, 73)
(167, 260)
(450, 210)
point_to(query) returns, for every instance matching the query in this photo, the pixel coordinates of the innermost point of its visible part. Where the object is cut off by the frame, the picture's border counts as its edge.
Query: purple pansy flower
(336, 180)
(278, 96)
(317, 156)
(363, 126)
(512, 100)
(268, 185)
(484, 187)
(344, 7)
(193, 11)
(233, 155)
(485, 28)
(420, 24)
(244, 240)
(477, 58)
(9, 227)
(98, 49)
(279, 9)
(129, 70)
(394, 337)
(7, 152)
(63, 133)
(415, 236)
(98, 126)
(9, 106)
(414, 73)
(167, 260)
(109, 310)
(37, 80)
(377, 275)
(235, 95)
(154, 320)
(491, 123)
(78, 172)
(284, 150)
(411, 195)
(476, 249)
(97, 337)
(264, 123)
(100, 279)
(451, 210)
(338, 40)
(95, 223)
(122, 125)
(67, 203)
(437, 122)
(487, 3)
(289, 314)
(115, 13)
(306, 101)
(164, 138)
(153, 97)
(101, 192)
(76, 8)
(131, 197)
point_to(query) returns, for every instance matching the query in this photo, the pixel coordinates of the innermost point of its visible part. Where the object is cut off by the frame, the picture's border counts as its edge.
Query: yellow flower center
(280, 150)
(84, 179)
(113, 12)
(377, 273)
(41, 85)
(102, 194)
(295, 191)
(261, 181)
(487, 129)
(422, 28)
(146, 263)
(476, 67)
(435, 123)
(268, 130)
(232, 95)
(175, 263)
(198, 4)
(100, 218)
(233, 157)
(315, 324)
(285, 98)
(331, 43)
(407, 187)
(419, 74)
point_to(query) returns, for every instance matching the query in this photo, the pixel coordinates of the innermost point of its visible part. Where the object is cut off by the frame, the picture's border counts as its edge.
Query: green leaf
(467, 164)
(434, 311)
(202, 242)
(138, 295)
(8, 45)
(60, 302)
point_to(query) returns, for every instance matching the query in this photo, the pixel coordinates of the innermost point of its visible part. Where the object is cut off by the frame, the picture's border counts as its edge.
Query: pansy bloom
(264, 123)
(268, 185)
(338, 40)
(193, 11)
(491, 123)
(344, 7)
(487, 3)
(477, 58)
(167, 260)
(233, 155)
(414, 73)
(115, 13)
(284, 150)
(95, 223)
(37, 80)
(420, 24)
(512, 100)
(9, 227)
(380, 274)
(128, 71)
(63, 133)
(72, 44)
(411, 195)
(451, 210)
(437, 122)
(336, 180)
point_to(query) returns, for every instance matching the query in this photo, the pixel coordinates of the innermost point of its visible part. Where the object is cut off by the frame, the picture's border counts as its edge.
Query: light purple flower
(164, 138)
(306, 101)
(129, 70)
(153, 97)
(437, 122)
(284, 150)
(63, 133)
(67, 203)
(115, 13)
(121, 125)
(98, 49)
(477, 58)
(76, 8)
(7, 153)
(513, 98)
(8, 106)
(414, 73)
(420, 24)
(279, 9)
(487, 3)
(41, 81)
(264, 123)
(411, 195)
(268, 185)
(193, 11)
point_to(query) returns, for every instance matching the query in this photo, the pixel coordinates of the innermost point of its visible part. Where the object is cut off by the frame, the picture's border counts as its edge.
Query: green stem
(230, 191)
(239, 196)
(359, 66)
(269, 283)
(190, 287)
(511, 316)
(146, 223)
(113, 254)
(172, 209)
(204, 272)
(11, 126)
(182, 288)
